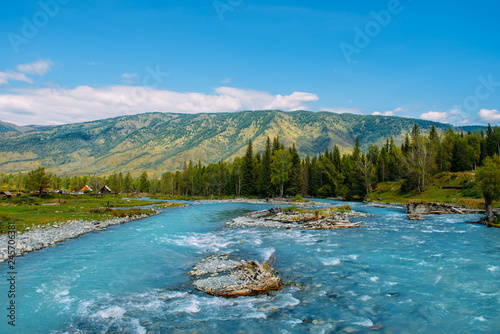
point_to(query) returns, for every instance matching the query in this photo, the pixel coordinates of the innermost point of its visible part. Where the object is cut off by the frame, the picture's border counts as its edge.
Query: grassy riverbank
(28, 211)
(469, 195)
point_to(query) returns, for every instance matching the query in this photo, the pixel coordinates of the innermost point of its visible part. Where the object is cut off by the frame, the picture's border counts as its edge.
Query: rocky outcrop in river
(308, 219)
(424, 208)
(219, 276)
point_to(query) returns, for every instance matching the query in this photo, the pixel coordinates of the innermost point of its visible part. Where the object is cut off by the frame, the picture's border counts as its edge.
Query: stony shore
(49, 235)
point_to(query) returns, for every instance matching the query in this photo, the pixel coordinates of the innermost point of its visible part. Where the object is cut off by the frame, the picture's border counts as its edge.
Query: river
(390, 276)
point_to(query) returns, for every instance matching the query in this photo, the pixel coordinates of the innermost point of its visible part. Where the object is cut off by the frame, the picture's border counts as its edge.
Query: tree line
(280, 171)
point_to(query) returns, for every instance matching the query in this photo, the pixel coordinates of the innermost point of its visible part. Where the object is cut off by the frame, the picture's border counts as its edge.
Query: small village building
(5, 194)
(86, 188)
(105, 190)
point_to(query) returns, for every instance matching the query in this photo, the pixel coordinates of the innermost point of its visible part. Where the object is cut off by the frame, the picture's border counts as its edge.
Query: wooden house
(5, 194)
(105, 190)
(86, 188)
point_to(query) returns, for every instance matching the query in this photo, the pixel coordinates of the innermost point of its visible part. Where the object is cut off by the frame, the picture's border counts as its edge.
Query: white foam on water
(493, 268)
(284, 300)
(266, 253)
(298, 236)
(481, 319)
(137, 327)
(438, 279)
(365, 298)
(365, 323)
(154, 304)
(173, 294)
(206, 242)
(392, 283)
(193, 306)
(255, 315)
(489, 294)
(374, 279)
(294, 322)
(257, 241)
(115, 312)
(83, 307)
(434, 231)
(322, 293)
(354, 257)
(64, 292)
(330, 262)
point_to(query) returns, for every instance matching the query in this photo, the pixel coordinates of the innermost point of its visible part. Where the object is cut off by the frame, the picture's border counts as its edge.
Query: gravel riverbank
(49, 235)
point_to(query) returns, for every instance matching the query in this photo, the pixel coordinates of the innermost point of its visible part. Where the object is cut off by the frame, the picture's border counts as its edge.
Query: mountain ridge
(160, 142)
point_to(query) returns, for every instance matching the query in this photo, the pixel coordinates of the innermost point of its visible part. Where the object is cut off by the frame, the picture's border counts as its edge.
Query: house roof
(5, 192)
(86, 187)
(105, 188)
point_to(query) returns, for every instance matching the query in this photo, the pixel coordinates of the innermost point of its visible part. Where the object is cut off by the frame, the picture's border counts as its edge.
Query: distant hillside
(5, 127)
(160, 142)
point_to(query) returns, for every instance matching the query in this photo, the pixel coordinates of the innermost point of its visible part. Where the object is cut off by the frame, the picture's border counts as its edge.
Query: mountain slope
(160, 142)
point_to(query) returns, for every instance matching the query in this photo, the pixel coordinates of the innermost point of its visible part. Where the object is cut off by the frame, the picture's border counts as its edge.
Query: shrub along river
(390, 276)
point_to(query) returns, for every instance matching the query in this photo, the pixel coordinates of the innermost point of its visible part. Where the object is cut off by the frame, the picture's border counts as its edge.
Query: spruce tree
(265, 186)
(248, 175)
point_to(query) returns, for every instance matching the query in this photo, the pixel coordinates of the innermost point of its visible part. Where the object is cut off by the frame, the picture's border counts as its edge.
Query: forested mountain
(160, 142)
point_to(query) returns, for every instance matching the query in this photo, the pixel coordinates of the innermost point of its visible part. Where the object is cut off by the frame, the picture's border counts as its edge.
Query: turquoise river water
(391, 276)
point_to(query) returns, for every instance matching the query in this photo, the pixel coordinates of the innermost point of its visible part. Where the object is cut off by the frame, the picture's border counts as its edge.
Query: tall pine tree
(248, 175)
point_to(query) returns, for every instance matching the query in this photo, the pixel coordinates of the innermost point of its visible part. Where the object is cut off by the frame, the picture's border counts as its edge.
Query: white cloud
(84, 103)
(489, 115)
(435, 116)
(39, 67)
(387, 113)
(129, 78)
(342, 110)
(399, 109)
(10, 75)
(292, 102)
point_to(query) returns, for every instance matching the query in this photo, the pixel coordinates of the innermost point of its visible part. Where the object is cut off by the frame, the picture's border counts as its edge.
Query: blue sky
(68, 61)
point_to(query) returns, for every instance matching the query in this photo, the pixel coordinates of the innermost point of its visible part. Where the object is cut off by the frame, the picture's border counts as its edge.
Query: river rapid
(392, 275)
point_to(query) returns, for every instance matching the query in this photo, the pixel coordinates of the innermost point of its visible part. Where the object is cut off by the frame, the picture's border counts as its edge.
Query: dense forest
(280, 171)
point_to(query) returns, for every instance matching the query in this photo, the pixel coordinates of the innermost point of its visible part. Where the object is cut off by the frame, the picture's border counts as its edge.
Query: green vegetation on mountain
(159, 142)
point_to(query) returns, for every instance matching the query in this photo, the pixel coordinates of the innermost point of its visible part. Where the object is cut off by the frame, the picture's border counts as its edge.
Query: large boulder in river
(222, 277)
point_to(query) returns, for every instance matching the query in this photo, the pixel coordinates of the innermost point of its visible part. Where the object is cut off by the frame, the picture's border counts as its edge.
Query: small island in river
(300, 218)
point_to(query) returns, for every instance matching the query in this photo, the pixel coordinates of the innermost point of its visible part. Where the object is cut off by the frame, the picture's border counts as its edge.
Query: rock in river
(220, 276)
